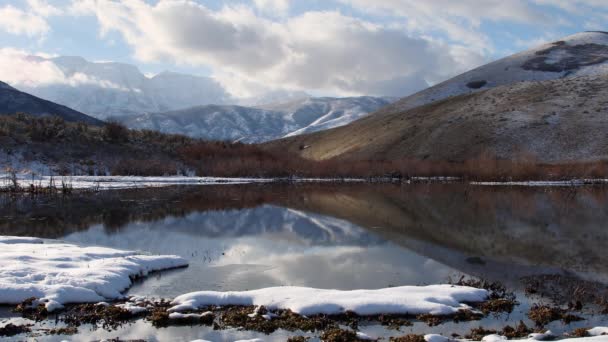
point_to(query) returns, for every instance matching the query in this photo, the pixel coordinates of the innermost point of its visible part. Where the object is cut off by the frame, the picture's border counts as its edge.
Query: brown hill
(549, 102)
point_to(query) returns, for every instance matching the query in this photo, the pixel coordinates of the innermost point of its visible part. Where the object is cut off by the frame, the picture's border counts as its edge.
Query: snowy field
(58, 273)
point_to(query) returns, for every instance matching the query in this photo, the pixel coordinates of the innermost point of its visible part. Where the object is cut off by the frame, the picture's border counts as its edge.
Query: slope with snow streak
(58, 273)
(546, 62)
(413, 300)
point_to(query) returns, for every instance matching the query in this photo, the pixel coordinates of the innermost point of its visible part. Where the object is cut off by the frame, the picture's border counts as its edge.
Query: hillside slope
(13, 101)
(556, 111)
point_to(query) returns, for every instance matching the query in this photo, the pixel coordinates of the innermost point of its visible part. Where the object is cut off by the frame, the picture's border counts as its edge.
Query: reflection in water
(332, 236)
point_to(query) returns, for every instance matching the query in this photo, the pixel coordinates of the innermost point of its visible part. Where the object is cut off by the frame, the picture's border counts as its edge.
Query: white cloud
(275, 8)
(26, 70)
(459, 20)
(43, 8)
(315, 50)
(30, 21)
(19, 22)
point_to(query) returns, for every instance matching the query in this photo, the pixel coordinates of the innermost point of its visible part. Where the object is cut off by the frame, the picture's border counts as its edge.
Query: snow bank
(19, 239)
(434, 299)
(59, 273)
(123, 182)
(597, 334)
(572, 182)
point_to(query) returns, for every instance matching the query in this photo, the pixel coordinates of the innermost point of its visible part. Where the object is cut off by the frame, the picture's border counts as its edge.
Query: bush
(115, 132)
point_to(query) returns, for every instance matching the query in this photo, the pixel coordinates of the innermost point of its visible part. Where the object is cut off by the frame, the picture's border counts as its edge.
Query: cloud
(319, 50)
(30, 21)
(24, 70)
(19, 22)
(276, 8)
(459, 20)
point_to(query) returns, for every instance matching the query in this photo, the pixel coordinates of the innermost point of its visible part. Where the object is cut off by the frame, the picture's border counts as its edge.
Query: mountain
(105, 89)
(317, 114)
(548, 102)
(214, 123)
(257, 124)
(14, 101)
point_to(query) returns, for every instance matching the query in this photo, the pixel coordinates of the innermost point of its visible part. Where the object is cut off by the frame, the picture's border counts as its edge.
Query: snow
(18, 239)
(596, 335)
(177, 315)
(125, 182)
(547, 335)
(598, 331)
(435, 338)
(434, 299)
(572, 182)
(58, 273)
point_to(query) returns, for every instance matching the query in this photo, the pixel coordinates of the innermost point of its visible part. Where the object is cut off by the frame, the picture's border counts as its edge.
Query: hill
(14, 101)
(547, 103)
(257, 124)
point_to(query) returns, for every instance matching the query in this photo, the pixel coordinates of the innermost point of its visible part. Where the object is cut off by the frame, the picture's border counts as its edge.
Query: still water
(239, 237)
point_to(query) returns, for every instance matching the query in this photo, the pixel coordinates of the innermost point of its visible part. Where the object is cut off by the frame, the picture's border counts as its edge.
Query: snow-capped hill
(575, 55)
(328, 113)
(258, 124)
(105, 89)
(215, 122)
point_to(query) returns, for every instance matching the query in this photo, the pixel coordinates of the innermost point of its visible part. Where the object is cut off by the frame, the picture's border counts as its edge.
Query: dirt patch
(408, 338)
(543, 315)
(298, 339)
(563, 57)
(63, 331)
(109, 317)
(520, 331)
(340, 335)
(29, 310)
(12, 329)
(477, 334)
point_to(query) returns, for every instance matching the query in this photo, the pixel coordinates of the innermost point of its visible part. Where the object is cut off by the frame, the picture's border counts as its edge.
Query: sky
(323, 47)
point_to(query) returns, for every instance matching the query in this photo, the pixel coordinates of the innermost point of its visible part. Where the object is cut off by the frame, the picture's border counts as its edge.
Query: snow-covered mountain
(107, 89)
(257, 124)
(316, 114)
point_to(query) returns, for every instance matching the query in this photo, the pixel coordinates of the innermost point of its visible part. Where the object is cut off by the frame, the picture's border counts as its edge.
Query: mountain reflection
(471, 229)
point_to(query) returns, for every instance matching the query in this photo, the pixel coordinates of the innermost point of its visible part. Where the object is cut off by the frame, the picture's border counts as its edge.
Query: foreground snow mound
(58, 273)
(435, 299)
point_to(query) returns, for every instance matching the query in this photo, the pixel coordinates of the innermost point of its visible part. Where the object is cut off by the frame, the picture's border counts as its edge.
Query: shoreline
(68, 184)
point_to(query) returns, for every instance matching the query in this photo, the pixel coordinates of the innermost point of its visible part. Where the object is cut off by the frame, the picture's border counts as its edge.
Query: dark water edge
(344, 236)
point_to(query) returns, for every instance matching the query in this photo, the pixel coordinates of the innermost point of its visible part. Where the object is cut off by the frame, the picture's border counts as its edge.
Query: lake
(335, 236)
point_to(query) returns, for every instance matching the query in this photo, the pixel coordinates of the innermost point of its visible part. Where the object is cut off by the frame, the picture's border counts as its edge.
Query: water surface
(239, 237)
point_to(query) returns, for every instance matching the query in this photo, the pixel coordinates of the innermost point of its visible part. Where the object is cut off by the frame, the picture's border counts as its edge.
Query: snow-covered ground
(572, 182)
(433, 299)
(595, 334)
(58, 273)
(121, 182)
